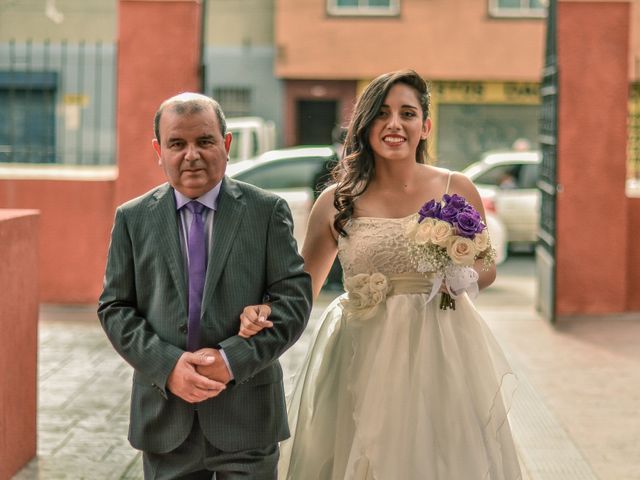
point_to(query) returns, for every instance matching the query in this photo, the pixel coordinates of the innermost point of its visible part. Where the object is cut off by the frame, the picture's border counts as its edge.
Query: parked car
(293, 173)
(508, 181)
(252, 136)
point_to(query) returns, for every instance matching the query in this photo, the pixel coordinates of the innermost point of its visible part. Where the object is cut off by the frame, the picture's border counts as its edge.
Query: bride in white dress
(394, 388)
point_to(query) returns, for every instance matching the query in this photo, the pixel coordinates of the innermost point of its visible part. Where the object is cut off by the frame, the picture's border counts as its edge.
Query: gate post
(592, 223)
(159, 44)
(546, 248)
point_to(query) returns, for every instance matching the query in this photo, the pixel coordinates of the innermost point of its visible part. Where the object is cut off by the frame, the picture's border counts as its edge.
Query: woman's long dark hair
(354, 171)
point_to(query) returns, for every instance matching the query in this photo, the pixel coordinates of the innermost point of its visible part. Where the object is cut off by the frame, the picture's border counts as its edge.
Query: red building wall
(633, 256)
(19, 339)
(75, 223)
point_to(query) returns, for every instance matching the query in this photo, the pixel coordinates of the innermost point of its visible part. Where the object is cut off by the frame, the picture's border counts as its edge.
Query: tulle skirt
(411, 392)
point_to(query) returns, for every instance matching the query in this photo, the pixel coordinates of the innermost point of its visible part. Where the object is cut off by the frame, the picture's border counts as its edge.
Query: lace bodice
(376, 245)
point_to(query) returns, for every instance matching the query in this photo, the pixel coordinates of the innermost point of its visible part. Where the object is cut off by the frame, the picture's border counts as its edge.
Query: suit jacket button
(182, 328)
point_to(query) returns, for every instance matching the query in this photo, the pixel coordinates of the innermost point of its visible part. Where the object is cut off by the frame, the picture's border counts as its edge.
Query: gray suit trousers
(197, 459)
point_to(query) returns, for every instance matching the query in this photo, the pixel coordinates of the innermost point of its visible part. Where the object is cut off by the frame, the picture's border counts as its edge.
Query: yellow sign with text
(79, 99)
(516, 93)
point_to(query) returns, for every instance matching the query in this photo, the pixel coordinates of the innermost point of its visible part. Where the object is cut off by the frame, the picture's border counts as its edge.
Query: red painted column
(592, 228)
(633, 257)
(158, 56)
(19, 339)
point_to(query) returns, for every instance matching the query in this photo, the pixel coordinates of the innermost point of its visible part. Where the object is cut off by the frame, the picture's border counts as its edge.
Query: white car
(295, 174)
(508, 181)
(252, 136)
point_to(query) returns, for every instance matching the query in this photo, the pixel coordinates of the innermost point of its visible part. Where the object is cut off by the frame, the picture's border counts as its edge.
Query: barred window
(363, 7)
(27, 123)
(235, 101)
(518, 8)
(57, 103)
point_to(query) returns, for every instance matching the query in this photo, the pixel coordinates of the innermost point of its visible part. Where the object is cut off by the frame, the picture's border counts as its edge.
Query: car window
(511, 176)
(290, 173)
(499, 175)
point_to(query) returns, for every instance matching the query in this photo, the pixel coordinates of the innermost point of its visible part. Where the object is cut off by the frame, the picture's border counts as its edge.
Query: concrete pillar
(158, 56)
(592, 228)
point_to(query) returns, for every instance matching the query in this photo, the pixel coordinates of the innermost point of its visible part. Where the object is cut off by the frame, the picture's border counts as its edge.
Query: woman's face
(398, 126)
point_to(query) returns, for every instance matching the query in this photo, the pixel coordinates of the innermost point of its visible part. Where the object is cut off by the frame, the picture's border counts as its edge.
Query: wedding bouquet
(447, 239)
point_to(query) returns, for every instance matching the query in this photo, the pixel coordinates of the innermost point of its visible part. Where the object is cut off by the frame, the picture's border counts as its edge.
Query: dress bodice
(375, 245)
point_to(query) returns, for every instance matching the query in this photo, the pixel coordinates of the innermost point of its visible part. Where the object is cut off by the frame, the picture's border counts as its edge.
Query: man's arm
(289, 288)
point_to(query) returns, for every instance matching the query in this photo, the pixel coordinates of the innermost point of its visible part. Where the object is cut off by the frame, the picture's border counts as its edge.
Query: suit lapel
(226, 222)
(164, 219)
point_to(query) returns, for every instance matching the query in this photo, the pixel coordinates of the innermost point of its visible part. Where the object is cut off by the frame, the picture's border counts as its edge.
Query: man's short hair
(188, 103)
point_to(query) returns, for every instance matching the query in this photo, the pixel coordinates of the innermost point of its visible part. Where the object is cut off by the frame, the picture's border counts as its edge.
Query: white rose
(462, 251)
(441, 233)
(481, 240)
(423, 232)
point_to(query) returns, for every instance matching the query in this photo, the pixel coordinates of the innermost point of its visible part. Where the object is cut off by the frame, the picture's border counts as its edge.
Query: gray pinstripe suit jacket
(143, 310)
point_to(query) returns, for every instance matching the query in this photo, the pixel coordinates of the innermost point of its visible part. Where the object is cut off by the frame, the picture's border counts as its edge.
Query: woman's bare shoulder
(461, 184)
(326, 198)
(433, 173)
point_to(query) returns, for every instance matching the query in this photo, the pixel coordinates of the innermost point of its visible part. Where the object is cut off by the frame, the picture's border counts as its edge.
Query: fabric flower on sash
(365, 292)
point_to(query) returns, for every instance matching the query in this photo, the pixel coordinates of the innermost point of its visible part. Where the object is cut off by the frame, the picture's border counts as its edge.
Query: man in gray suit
(186, 260)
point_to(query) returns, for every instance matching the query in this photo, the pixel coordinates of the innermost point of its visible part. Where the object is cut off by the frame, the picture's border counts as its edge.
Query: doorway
(315, 121)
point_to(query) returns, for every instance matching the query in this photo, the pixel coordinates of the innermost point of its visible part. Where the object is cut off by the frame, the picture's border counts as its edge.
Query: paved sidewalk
(574, 416)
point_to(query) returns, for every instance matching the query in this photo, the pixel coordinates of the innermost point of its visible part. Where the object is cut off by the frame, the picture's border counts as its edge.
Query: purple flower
(474, 213)
(449, 213)
(469, 223)
(455, 200)
(431, 209)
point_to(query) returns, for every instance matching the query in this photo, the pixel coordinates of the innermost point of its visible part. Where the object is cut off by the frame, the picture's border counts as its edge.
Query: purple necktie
(197, 269)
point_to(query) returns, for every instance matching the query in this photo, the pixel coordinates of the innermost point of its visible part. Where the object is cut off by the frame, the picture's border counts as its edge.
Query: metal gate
(546, 248)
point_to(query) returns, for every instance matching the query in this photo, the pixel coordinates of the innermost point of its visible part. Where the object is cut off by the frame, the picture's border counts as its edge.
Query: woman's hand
(254, 319)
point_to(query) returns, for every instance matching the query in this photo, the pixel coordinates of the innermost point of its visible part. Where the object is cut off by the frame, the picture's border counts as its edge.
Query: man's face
(192, 152)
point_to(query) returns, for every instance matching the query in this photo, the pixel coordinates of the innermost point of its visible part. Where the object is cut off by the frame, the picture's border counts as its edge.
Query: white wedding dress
(394, 388)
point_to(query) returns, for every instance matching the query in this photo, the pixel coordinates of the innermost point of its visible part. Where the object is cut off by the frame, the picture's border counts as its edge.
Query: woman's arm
(320, 244)
(463, 186)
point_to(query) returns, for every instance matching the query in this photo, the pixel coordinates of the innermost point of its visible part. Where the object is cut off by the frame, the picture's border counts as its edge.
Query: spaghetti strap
(446, 190)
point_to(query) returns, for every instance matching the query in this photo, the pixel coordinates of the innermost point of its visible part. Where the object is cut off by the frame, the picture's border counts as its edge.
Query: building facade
(483, 59)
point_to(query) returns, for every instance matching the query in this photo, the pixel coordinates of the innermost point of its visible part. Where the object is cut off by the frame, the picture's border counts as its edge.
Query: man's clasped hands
(204, 374)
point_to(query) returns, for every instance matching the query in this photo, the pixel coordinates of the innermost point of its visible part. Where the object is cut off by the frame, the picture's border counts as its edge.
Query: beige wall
(89, 20)
(229, 22)
(239, 22)
(441, 39)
